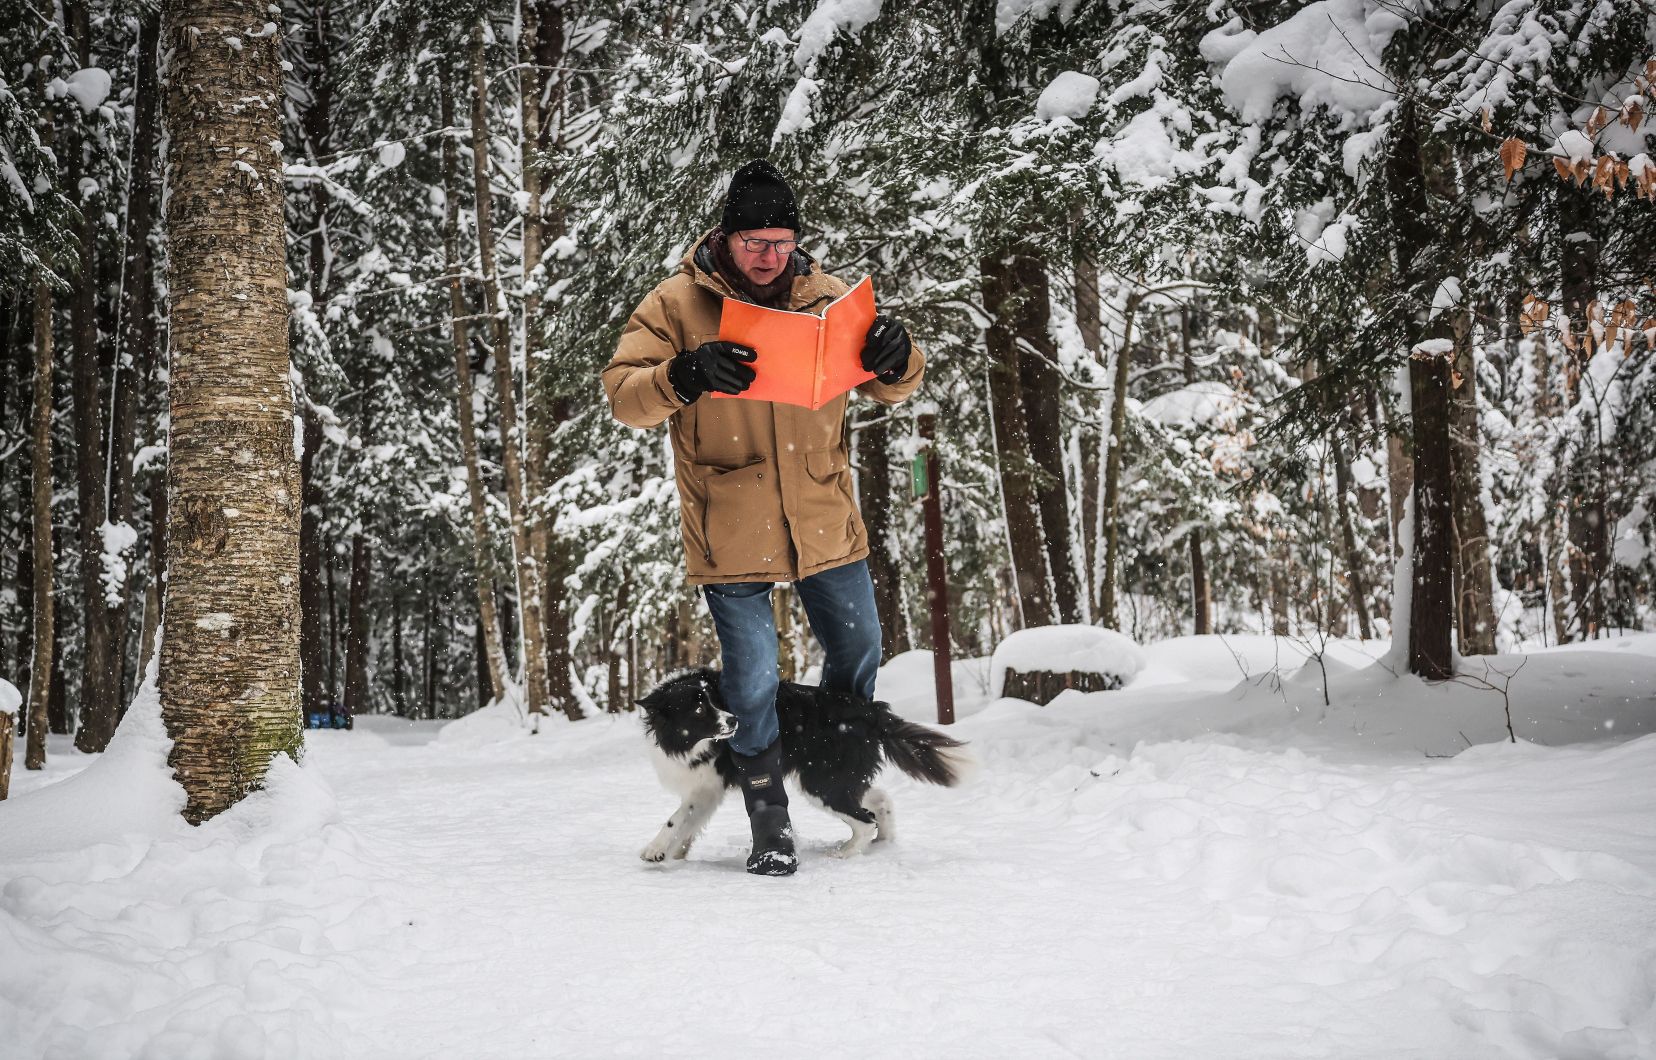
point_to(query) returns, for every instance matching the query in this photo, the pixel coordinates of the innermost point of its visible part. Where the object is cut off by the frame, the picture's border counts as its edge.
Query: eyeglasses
(757, 246)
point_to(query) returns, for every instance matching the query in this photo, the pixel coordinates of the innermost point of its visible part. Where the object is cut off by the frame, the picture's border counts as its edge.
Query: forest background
(1324, 319)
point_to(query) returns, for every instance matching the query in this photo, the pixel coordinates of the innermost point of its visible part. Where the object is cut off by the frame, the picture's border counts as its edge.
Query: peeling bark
(229, 674)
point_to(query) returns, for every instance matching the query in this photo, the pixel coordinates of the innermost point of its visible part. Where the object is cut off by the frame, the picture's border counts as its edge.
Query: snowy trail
(1123, 878)
(1204, 900)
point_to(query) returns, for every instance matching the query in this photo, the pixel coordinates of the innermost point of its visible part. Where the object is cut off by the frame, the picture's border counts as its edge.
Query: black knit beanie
(759, 198)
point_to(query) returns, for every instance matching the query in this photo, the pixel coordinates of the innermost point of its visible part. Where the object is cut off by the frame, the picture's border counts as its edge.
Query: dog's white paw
(655, 853)
(848, 849)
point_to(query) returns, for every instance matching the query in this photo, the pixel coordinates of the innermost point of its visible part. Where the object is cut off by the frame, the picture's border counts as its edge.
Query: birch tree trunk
(482, 568)
(229, 671)
(40, 666)
(533, 656)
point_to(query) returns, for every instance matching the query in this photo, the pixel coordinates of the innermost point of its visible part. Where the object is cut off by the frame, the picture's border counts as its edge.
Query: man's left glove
(886, 350)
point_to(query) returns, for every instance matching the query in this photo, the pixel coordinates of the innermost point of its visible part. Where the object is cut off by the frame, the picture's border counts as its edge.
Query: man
(765, 492)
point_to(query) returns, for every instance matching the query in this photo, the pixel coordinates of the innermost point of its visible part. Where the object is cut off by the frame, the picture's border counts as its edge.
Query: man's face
(767, 263)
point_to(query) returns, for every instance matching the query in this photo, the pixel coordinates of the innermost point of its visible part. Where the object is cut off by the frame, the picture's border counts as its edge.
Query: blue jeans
(839, 602)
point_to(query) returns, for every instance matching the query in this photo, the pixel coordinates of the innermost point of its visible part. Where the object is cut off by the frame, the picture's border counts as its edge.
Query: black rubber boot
(767, 807)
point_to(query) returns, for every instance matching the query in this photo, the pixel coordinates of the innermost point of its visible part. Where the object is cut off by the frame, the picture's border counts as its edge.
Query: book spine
(821, 366)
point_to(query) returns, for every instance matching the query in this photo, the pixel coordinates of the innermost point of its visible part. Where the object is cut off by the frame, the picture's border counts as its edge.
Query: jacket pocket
(828, 508)
(741, 519)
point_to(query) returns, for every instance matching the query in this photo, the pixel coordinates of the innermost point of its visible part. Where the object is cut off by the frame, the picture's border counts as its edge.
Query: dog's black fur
(833, 745)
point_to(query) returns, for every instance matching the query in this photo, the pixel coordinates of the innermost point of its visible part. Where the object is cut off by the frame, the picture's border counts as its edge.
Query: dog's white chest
(679, 775)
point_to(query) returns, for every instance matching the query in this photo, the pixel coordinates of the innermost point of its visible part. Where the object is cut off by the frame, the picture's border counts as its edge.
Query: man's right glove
(716, 365)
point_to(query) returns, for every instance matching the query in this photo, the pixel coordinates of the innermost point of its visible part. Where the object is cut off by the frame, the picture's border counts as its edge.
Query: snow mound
(500, 721)
(127, 791)
(1060, 649)
(135, 934)
(10, 698)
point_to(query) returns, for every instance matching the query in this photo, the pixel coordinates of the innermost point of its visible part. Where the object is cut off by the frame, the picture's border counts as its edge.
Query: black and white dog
(833, 745)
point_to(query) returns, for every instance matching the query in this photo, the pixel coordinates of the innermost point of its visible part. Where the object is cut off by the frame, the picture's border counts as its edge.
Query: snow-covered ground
(1209, 863)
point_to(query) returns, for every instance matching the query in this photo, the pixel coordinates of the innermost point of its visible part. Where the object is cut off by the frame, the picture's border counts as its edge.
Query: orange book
(803, 359)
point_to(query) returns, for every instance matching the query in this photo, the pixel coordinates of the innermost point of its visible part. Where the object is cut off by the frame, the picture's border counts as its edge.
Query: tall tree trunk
(96, 716)
(1038, 385)
(540, 47)
(40, 668)
(493, 658)
(533, 658)
(230, 651)
(1112, 469)
(617, 639)
(358, 629)
(135, 361)
(873, 453)
(1355, 584)
(1089, 319)
(157, 573)
(1200, 595)
(428, 645)
(399, 688)
(1475, 590)
(1432, 610)
(313, 592)
(1584, 472)
(1031, 572)
(1431, 618)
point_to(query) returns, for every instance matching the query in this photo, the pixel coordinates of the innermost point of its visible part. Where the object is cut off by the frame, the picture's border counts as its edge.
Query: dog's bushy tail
(924, 754)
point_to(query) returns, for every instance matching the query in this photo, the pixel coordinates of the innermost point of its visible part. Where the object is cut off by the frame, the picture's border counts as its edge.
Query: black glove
(886, 350)
(716, 365)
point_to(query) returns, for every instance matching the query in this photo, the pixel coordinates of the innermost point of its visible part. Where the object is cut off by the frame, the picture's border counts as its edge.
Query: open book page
(803, 359)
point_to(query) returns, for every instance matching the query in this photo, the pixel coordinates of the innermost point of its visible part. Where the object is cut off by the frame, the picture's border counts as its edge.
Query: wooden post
(927, 486)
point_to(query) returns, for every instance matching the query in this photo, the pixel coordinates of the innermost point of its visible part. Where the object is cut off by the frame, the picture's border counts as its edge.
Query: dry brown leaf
(1632, 114)
(1565, 336)
(1513, 150)
(1595, 312)
(1563, 168)
(1455, 379)
(1622, 173)
(1583, 169)
(1483, 113)
(1534, 314)
(1604, 176)
(1599, 120)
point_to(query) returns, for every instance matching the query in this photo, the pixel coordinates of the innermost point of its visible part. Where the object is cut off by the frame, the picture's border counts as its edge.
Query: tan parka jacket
(765, 491)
